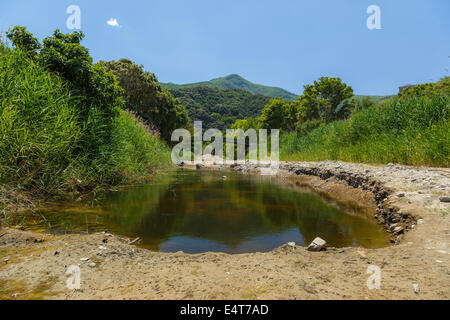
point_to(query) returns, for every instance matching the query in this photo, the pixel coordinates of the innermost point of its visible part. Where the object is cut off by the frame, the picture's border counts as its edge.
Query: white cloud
(113, 23)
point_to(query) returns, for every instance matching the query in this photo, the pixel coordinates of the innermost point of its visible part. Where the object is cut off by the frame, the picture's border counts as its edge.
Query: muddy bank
(405, 200)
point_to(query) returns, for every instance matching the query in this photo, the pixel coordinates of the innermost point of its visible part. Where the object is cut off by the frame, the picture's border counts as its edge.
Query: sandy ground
(33, 266)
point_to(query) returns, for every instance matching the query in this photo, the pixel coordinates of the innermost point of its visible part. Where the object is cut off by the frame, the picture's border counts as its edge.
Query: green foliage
(220, 108)
(428, 89)
(61, 125)
(133, 152)
(322, 99)
(411, 131)
(235, 81)
(23, 40)
(307, 126)
(279, 114)
(147, 98)
(249, 123)
(39, 125)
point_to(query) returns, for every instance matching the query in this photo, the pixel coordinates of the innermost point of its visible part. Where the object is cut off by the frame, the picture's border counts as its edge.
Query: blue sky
(285, 43)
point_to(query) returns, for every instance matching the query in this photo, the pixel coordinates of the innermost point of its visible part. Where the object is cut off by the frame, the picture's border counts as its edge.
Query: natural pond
(200, 211)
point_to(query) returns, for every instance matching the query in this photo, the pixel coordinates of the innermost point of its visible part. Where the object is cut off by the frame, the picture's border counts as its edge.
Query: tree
(321, 100)
(24, 40)
(63, 55)
(273, 114)
(249, 123)
(280, 114)
(147, 98)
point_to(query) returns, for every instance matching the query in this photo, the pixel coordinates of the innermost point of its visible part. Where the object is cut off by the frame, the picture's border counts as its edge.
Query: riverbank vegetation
(65, 125)
(328, 123)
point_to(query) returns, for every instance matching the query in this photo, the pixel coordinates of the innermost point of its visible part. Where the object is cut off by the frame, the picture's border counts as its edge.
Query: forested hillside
(220, 108)
(235, 81)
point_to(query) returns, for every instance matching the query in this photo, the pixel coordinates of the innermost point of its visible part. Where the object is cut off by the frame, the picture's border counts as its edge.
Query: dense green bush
(148, 99)
(62, 127)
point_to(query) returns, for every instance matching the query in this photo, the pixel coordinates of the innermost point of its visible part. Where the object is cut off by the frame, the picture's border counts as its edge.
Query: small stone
(438, 261)
(317, 244)
(102, 247)
(444, 199)
(92, 265)
(390, 165)
(400, 195)
(416, 288)
(398, 229)
(291, 244)
(420, 221)
(84, 259)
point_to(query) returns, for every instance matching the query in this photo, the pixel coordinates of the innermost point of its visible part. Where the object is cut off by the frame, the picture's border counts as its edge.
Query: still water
(200, 211)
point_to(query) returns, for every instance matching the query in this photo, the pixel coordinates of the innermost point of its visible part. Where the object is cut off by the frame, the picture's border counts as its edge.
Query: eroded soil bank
(404, 199)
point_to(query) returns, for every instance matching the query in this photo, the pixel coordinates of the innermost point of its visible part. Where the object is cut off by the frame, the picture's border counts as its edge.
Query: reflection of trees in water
(202, 205)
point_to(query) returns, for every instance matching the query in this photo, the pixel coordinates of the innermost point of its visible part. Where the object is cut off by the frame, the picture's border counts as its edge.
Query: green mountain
(234, 81)
(219, 108)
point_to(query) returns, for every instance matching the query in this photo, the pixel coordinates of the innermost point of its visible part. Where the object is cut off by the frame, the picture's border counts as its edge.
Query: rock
(84, 259)
(102, 247)
(401, 195)
(105, 240)
(416, 288)
(198, 166)
(444, 199)
(317, 244)
(390, 165)
(92, 265)
(291, 244)
(420, 221)
(398, 229)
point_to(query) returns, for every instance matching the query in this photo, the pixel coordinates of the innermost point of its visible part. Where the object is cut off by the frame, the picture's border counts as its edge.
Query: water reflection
(200, 211)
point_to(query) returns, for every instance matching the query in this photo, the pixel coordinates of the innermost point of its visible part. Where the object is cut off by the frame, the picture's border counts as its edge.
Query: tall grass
(413, 131)
(48, 147)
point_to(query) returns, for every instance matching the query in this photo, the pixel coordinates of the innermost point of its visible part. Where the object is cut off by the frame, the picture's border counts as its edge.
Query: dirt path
(34, 265)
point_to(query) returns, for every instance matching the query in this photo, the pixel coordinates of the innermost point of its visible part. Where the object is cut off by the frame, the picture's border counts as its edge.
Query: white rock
(84, 259)
(317, 244)
(92, 265)
(291, 244)
(420, 221)
(416, 288)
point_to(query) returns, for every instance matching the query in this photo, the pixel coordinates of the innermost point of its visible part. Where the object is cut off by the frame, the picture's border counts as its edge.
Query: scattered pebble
(92, 265)
(416, 288)
(84, 259)
(444, 199)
